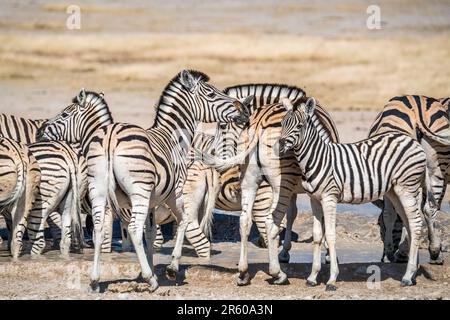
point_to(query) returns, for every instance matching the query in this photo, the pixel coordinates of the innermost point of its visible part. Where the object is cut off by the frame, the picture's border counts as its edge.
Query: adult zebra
(227, 196)
(261, 162)
(62, 186)
(426, 120)
(144, 168)
(392, 165)
(19, 180)
(24, 131)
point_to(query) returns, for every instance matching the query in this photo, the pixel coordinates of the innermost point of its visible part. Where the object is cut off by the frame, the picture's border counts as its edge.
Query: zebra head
(88, 111)
(208, 103)
(294, 123)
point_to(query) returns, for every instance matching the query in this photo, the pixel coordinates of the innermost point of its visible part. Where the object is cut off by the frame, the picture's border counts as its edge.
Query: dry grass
(352, 73)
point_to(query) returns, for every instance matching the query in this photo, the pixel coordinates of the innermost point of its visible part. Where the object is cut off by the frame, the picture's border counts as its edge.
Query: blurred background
(131, 49)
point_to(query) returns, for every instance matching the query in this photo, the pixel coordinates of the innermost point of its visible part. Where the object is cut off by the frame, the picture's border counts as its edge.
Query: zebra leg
(54, 222)
(19, 221)
(150, 235)
(329, 214)
(126, 242)
(387, 223)
(108, 231)
(318, 228)
(139, 212)
(159, 239)
(176, 205)
(36, 226)
(66, 223)
(98, 219)
(245, 224)
(431, 210)
(192, 204)
(408, 206)
(284, 256)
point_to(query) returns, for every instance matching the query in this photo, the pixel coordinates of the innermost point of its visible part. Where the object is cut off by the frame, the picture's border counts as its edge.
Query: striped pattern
(426, 120)
(128, 165)
(63, 183)
(20, 177)
(19, 129)
(271, 186)
(389, 164)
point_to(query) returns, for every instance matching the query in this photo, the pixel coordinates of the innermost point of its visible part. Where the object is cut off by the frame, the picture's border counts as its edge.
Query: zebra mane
(176, 80)
(259, 86)
(91, 93)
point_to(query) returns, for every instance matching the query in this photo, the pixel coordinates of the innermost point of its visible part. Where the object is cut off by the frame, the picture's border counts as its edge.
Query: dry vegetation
(344, 73)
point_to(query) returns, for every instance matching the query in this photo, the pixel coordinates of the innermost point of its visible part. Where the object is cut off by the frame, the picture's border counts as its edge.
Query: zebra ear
(81, 98)
(187, 80)
(288, 104)
(102, 94)
(310, 105)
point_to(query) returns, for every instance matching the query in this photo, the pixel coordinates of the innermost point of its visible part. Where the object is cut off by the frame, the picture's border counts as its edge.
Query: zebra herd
(271, 143)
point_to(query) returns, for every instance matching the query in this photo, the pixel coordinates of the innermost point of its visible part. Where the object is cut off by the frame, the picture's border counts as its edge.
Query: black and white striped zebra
(390, 164)
(19, 180)
(426, 120)
(144, 168)
(24, 131)
(62, 185)
(262, 164)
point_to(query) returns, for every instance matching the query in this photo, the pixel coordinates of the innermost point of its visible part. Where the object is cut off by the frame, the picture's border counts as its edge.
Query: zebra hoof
(310, 283)
(153, 283)
(171, 272)
(94, 287)
(281, 280)
(330, 287)
(243, 279)
(261, 243)
(439, 261)
(400, 258)
(408, 282)
(284, 256)
(434, 254)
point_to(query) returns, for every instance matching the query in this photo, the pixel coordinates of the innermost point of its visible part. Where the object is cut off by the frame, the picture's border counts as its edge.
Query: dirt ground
(132, 49)
(359, 252)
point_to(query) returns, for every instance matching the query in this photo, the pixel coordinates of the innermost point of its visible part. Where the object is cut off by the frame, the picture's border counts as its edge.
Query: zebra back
(19, 129)
(268, 94)
(414, 115)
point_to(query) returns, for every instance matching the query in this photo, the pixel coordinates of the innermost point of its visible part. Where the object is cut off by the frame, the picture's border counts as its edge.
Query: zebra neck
(90, 122)
(313, 152)
(176, 119)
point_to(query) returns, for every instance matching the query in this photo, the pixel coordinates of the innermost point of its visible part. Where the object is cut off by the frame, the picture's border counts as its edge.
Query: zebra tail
(431, 201)
(75, 210)
(225, 164)
(212, 181)
(111, 181)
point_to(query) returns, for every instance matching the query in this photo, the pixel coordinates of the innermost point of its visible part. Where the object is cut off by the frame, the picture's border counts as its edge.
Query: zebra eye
(211, 95)
(64, 114)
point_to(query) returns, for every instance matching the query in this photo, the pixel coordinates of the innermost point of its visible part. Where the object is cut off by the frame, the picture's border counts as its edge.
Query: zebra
(144, 168)
(262, 162)
(24, 131)
(227, 195)
(19, 180)
(426, 120)
(63, 183)
(389, 164)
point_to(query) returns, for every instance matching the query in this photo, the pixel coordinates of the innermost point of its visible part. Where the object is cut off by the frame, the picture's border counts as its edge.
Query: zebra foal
(391, 165)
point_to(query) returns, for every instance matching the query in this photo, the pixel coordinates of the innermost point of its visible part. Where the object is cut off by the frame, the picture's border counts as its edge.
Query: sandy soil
(130, 50)
(359, 251)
